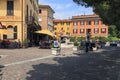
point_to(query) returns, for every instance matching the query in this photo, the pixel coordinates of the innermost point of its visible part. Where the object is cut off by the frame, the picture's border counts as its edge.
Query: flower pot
(75, 48)
(55, 51)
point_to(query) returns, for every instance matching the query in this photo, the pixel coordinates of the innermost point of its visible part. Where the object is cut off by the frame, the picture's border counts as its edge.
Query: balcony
(29, 20)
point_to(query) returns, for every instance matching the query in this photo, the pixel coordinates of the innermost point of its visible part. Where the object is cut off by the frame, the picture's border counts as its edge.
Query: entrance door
(88, 31)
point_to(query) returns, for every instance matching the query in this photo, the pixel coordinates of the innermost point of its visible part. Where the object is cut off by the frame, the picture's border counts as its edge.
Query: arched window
(10, 36)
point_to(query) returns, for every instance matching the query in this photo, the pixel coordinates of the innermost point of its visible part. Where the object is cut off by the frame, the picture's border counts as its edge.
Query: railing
(29, 20)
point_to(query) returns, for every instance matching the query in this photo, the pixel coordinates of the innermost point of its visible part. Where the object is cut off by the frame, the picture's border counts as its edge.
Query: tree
(108, 10)
(112, 31)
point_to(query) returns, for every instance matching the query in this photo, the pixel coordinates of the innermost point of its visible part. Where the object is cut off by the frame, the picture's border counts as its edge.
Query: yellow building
(21, 17)
(62, 27)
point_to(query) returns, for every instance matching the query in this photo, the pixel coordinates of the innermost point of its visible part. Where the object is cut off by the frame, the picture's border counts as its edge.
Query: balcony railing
(29, 20)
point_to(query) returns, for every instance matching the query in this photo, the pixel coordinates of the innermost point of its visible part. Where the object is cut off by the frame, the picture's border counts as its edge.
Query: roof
(85, 16)
(63, 20)
(46, 6)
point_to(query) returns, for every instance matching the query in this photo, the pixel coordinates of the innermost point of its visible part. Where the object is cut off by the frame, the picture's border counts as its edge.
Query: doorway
(88, 31)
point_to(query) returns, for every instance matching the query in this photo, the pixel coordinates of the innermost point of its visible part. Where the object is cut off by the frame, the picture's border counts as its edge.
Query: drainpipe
(22, 20)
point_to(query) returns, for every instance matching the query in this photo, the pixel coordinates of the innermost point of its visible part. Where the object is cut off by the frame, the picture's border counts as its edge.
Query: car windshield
(113, 42)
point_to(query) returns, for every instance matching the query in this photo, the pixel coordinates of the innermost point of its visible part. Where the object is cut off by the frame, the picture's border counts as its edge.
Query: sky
(65, 9)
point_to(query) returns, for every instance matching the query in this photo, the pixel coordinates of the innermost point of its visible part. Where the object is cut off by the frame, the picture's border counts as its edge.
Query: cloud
(65, 9)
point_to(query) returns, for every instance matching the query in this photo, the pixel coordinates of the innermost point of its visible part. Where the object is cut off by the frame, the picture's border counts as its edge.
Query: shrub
(76, 43)
(80, 38)
(72, 39)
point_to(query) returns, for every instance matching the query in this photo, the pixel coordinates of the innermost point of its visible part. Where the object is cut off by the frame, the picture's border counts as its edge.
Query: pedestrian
(87, 46)
(40, 44)
(19, 43)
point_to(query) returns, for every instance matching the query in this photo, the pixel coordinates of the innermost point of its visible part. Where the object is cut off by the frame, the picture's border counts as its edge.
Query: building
(84, 24)
(21, 17)
(62, 27)
(80, 26)
(46, 17)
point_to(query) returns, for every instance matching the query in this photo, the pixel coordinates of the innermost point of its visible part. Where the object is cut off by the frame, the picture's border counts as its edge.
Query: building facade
(82, 25)
(21, 17)
(62, 27)
(46, 17)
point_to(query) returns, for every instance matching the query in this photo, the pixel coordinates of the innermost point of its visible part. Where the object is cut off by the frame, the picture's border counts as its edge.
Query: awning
(47, 32)
(5, 31)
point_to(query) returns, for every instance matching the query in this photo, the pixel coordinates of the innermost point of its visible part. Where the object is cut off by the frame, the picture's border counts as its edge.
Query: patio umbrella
(47, 32)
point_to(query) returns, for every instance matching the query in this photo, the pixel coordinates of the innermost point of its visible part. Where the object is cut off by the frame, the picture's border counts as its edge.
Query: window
(55, 28)
(40, 11)
(96, 22)
(31, 1)
(96, 30)
(74, 23)
(68, 23)
(81, 30)
(55, 33)
(27, 10)
(15, 34)
(74, 31)
(55, 23)
(89, 22)
(10, 36)
(67, 28)
(62, 23)
(10, 7)
(81, 22)
(103, 30)
(40, 19)
(67, 33)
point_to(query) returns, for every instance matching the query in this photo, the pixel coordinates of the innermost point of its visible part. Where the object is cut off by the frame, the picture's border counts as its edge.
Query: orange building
(82, 25)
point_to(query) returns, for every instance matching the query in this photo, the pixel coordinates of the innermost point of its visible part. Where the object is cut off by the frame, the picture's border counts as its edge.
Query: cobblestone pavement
(17, 62)
(39, 64)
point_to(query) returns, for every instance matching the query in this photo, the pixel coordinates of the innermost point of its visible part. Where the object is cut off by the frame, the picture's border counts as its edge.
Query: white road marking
(32, 60)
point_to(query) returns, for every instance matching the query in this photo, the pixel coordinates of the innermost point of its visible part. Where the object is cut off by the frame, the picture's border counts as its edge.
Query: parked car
(113, 43)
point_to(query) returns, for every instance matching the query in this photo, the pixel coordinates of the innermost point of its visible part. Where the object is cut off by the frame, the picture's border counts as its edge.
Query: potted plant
(75, 47)
(55, 47)
(81, 49)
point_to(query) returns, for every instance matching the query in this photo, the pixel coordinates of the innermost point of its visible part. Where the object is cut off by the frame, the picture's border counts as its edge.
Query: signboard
(56, 44)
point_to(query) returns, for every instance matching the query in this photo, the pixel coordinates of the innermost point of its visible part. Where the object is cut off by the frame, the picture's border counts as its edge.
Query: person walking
(86, 46)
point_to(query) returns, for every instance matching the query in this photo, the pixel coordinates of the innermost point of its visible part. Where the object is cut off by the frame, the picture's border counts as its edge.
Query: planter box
(94, 48)
(55, 51)
(75, 48)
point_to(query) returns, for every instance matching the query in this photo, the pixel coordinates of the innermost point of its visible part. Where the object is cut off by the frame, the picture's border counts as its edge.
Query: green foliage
(76, 43)
(72, 39)
(108, 10)
(112, 38)
(80, 38)
(103, 39)
(113, 30)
